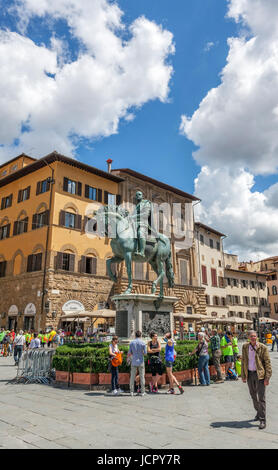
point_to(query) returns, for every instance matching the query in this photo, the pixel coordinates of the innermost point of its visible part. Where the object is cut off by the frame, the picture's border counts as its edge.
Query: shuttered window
(34, 262)
(5, 231)
(72, 187)
(65, 261)
(6, 202)
(183, 272)
(3, 265)
(204, 275)
(88, 265)
(70, 220)
(213, 277)
(20, 226)
(40, 220)
(43, 186)
(23, 194)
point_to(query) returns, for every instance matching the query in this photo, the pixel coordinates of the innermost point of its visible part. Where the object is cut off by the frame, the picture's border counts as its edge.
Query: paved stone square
(215, 417)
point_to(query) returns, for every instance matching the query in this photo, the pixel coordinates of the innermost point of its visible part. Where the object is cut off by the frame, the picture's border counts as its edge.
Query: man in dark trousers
(256, 371)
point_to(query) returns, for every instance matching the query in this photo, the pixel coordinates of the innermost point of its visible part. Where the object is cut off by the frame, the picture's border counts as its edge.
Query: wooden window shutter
(30, 263)
(78, 222)
(25, 224)
(38, 260)
(71, 262)
(86, 191)
(59, 260)
(28, 192)
(19, 197)
(93, 266)
(118, 199)
(79, 188)
(46, 218)
(10, 200)
(105, 197)
(15, 228)
(62, 218)
(99, 195)
(47, 184)
(2, 203)
(83, 264)
(204, 275)
(38, 190)
(65, 185)
(8, 230)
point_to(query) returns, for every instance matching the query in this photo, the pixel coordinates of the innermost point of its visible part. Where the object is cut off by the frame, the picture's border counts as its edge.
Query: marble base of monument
(145, 313)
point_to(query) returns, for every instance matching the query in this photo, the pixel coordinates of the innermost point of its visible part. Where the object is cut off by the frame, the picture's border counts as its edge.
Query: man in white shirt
(19, 344)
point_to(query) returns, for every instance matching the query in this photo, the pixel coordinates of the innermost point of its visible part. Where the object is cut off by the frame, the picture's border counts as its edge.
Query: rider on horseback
(142, 216)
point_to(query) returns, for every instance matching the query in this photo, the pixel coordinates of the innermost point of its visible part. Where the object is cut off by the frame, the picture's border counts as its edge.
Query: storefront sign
(13, 310)
(73, 306)
(30, 309)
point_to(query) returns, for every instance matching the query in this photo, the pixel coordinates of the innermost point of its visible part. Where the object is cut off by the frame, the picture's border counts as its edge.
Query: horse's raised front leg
(128, 264)
(113, 260)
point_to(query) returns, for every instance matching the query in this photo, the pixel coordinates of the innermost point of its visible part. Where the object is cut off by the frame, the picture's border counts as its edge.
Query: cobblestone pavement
(215, 417)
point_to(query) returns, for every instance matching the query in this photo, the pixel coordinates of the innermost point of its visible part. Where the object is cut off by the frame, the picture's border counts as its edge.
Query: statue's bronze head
(139, 196)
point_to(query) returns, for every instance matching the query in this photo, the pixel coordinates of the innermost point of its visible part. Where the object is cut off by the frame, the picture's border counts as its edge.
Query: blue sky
(74, 78)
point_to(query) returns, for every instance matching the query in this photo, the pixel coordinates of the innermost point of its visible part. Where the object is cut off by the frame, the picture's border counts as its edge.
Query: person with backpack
(169, 362)
(115, 356)
(202, 352)
(154, 349)
(35, 342)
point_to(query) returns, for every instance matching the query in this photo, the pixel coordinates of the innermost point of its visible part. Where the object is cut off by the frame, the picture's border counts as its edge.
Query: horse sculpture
(116, 220)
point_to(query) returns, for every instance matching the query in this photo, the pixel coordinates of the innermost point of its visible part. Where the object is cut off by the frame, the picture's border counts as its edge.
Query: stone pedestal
(145, 313)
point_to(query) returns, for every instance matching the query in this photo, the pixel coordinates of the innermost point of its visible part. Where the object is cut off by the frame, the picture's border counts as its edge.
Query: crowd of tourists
(226, 346)
(12, 344)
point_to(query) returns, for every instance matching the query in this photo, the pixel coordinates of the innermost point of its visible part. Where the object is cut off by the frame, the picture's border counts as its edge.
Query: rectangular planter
(62, 376)
(104, 378)
(84, 378)
(124, 378)
(183, 375)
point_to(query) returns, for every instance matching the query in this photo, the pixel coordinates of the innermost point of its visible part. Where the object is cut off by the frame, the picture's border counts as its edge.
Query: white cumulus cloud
(236, 131)
(50, 101)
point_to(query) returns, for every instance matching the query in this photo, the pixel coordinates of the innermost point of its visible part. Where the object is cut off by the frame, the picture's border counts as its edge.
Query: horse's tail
(169, 271)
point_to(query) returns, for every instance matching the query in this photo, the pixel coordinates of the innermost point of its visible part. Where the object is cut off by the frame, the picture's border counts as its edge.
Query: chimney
(109, 162)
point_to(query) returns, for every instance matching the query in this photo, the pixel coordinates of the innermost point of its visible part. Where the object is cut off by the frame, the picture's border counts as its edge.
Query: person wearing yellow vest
(235, 347)
(44, 339)
(51, 337)
(238, 366)
(227, 350)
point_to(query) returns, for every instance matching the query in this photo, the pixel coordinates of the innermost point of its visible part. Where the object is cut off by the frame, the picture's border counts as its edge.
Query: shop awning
(104, 313)
(192, 316)
(267, 320)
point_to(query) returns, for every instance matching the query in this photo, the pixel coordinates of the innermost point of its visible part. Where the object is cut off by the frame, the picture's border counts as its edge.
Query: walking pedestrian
(137, 351)
(35, 342)
(256, 371)
(274, 339)
(227, 350)
(154, 348)
(202, 352)
(6, 342)
(235, 347)
(169, 361)
(216, 355)
(19, 344)
(115, 355)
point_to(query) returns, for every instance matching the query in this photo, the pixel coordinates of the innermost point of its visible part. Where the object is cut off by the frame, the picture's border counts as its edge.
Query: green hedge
(76, 358)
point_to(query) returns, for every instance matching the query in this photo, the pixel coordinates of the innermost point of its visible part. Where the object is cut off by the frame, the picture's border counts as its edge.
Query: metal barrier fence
(35, 366)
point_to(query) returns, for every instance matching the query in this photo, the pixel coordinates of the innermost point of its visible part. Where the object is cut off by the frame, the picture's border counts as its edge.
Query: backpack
(231, 374)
